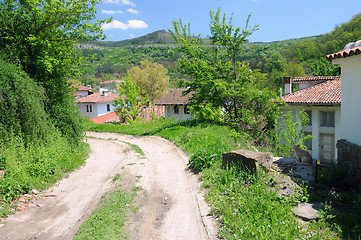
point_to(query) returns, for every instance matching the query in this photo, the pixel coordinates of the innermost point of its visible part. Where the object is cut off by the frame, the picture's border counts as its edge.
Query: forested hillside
(293, 57)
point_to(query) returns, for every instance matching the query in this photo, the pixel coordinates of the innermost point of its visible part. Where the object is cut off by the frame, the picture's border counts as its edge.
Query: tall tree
(130, 102)
(151, 78)
(40, 36)
(218, 78)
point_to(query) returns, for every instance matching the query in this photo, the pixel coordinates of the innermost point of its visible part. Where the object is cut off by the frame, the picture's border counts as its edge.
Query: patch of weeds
(131, 164)
(108, 220)
(139, 177)
(134, 147)
(137, 188)
(246, 207)
(116, 177)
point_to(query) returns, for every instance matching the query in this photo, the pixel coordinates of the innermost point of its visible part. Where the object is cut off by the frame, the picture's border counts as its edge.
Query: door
(327, 148)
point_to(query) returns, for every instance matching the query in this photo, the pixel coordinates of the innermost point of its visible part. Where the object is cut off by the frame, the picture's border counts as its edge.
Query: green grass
(244, 204)
(134, 147)
(34, 166)
(108, 220)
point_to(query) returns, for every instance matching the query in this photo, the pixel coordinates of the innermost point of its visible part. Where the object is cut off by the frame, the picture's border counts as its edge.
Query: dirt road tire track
(170, 206)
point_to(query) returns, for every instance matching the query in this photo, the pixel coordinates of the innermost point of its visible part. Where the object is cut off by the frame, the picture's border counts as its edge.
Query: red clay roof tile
(314, 79)
(97, 98)
(328, 92)
(106, 118)
(344, 53)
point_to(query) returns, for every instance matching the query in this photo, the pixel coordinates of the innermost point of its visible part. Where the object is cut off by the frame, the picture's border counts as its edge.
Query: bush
(21, 106)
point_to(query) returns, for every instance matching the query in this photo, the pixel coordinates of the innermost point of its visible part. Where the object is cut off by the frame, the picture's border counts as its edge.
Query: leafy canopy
(219, 79)
(40, 36)
(151, 78)
(130, 102)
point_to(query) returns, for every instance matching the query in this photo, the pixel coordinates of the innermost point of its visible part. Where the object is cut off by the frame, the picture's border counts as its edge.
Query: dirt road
(171, 206)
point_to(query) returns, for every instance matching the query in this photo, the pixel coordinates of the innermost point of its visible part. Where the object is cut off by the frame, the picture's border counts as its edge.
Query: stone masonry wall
(350, 154)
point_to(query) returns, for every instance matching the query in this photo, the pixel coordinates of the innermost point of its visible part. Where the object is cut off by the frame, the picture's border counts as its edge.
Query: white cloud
(125, 2)
(133, 24)
(132, 35)
(131, 10)
(111, 11)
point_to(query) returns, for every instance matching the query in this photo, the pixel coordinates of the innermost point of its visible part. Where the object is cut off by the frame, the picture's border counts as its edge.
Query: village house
(176, 104)
(111, 85)
(96, 104)
(349, 141)
(320, 97)
(82, 91)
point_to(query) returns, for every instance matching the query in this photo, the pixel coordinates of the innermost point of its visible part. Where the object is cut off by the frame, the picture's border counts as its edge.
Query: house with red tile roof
(320, 97)
(349, 141)
(96, 104)
(82, 91)
(176, 104)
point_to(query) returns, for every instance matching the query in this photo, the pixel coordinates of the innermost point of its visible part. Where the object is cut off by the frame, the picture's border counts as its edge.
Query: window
(327, 119)
(108, 107)
(186, 110)
(308, 143)
(89, 108)
(309, 114)
(176, 109)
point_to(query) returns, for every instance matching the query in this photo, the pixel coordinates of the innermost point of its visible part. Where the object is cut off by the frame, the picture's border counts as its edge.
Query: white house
(176, 104)
(349, 145)
(320, 97)
(96, 104)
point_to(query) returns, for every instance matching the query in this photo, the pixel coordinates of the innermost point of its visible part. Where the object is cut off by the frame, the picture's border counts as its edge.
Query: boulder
(249, 160)
(308, 211)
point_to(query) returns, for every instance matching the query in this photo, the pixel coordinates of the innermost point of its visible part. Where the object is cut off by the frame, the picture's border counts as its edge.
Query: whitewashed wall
(169, 113)
(98, 109)
(316, 128)
(351, 98)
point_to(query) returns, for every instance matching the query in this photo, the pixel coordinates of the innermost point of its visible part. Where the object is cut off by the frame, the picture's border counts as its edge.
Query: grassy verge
(34, 166)
(244, 204)
(108, 220)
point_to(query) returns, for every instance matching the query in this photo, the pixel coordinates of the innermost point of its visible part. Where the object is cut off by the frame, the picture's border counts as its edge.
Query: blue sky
(278, 19)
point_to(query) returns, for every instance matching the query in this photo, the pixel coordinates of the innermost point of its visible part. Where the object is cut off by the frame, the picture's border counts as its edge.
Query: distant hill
(109, 60)
(160, 37)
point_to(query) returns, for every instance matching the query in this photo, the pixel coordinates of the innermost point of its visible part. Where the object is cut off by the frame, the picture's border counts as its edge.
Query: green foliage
(21, 106)
(335, 175)
(247, 208)
(204, 142)
(151, 78)
(35, 166)
(220, 80)
(40, 37)
(291, 132)
(206, 113)
(129, 103)
(108, 220)
(243, 204)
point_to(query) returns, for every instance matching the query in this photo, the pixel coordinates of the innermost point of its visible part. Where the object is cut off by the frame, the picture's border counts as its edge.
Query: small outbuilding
(176, 104)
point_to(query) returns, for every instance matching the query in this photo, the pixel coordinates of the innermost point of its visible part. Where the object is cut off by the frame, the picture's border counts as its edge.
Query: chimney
(105, 93)
(288, 85)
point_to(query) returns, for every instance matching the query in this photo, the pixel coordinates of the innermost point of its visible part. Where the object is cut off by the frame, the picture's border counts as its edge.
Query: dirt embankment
(171, 206)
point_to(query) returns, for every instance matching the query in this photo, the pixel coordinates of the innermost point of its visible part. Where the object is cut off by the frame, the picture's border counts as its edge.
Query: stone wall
(349, 153)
